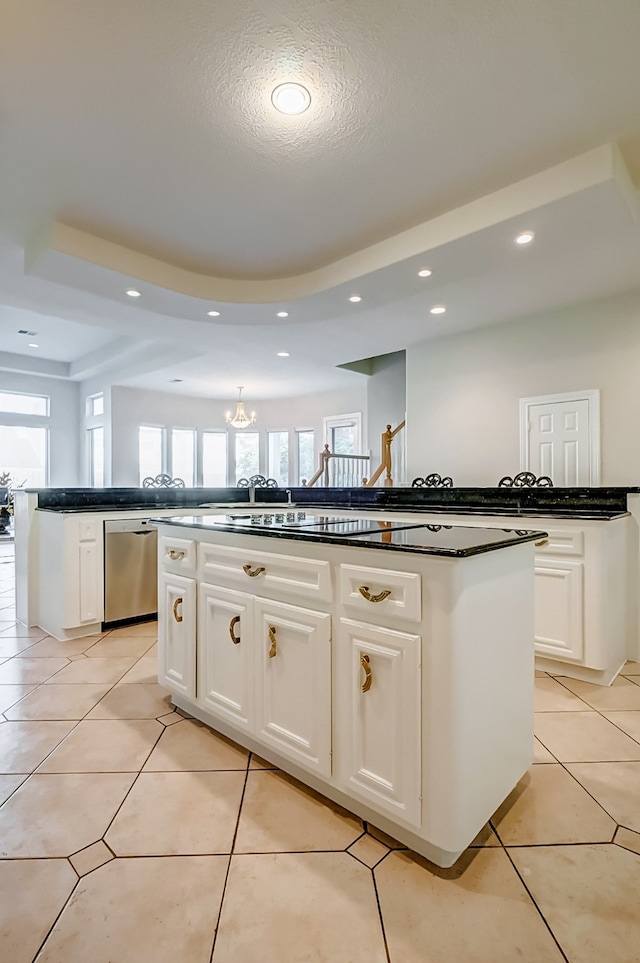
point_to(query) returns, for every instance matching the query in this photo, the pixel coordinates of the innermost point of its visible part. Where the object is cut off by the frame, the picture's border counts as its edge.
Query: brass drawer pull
(177, 602)
(252, 572)
(368, 675)
(380, 597)
(175, 555)
(543, 541)
(232, 624)
(272, 638)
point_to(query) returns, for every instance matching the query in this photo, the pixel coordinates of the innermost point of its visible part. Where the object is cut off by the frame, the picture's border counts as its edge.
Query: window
(342, 433)
(96, 457)
(23, 453)
(306, 455)
(151, 451)
(247, 454)
(23, 404)
(278, 456)
(95, 405)
(214, 459)
(183, 455)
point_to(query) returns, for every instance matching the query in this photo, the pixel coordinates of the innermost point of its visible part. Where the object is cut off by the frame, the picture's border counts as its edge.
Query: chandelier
(240, 419)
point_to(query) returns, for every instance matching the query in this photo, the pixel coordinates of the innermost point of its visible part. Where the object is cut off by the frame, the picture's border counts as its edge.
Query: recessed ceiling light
(133, 294)
(283, 354)
(213, 314)
(438, 309)
(290, 98)
(425, 273)
(525, 238)
(355, 298)
(32, 344)
(283, 314)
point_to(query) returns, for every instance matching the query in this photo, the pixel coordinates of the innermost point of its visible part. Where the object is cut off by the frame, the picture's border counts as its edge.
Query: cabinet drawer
(265, 572)
(178, 554)
(562, 542)
(377, 590)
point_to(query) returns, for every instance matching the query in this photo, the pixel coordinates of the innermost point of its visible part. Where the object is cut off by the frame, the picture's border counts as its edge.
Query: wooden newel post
(387, 437)
(325, 455)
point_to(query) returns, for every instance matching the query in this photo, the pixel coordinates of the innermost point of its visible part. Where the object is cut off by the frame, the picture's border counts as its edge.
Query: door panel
(558, 441)
(177, 630)
(559, 608)
(225, 630)
(378, 717)
(293, 682)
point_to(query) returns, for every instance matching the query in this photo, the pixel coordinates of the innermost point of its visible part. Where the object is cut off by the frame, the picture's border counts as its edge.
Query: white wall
(386, 397)
(131, 407)
(463, 391)
(63, 422)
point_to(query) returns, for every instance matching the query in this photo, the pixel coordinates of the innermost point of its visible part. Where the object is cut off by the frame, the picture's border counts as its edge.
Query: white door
(378, 717)
(562, 439)
(293, 682)
(177, 634)
(225, 648)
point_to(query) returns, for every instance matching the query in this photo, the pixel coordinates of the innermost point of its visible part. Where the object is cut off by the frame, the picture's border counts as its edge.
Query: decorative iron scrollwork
(437, 528)
(256, 481)
(525, 479)
(433, 481)
(162, 481)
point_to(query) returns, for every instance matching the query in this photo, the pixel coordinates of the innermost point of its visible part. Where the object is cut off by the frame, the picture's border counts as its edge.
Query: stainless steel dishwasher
(130, 570)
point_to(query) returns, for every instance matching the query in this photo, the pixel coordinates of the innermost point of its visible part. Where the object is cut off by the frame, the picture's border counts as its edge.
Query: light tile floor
(131, 834)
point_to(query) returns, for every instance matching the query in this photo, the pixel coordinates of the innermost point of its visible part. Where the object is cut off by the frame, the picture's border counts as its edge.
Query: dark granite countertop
(586, 503)
(451, 541)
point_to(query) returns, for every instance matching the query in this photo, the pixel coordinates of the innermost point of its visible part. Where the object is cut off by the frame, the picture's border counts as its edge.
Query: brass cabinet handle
(175, 555)
(232, 624)
(272, 638)
(380, 597)
(177, 602)
(252, 572)
(542, 541)
(368, 675)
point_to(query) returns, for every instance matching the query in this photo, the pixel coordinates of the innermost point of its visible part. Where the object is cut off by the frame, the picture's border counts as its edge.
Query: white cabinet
(559, 608)
(177, 629)
(372, 591)
(293, 682)
(225, 654)
(378, 717)
(266, 667)
(83, 564)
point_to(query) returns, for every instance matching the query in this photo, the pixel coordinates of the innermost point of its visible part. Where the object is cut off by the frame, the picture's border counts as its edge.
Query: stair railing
(386, 458)
(339, 471)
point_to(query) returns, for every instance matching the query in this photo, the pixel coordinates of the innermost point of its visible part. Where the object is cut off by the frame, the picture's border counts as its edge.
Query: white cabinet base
(581, 672)
(418, 844)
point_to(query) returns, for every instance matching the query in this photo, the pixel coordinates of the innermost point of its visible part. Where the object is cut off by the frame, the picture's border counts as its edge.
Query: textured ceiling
(148, 124)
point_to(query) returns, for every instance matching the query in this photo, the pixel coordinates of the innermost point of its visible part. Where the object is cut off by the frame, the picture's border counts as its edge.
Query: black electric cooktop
(319, 525)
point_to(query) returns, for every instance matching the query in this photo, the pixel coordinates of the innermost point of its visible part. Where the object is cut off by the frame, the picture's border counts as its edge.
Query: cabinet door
(225, 642)
(559, 608)
(293, 682)
(378, 718)
(177, 634)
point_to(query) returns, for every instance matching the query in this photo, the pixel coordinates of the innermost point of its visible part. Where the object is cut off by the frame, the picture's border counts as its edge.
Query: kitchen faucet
(288, 494)
(252, 493)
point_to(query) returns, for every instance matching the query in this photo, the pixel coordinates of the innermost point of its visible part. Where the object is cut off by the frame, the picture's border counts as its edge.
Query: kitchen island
(387, 664)
(587, 576)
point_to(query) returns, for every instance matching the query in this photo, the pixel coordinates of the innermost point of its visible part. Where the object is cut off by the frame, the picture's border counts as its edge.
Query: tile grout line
(233, 844)
(380, 916)
(62, 909)
(530, 895)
